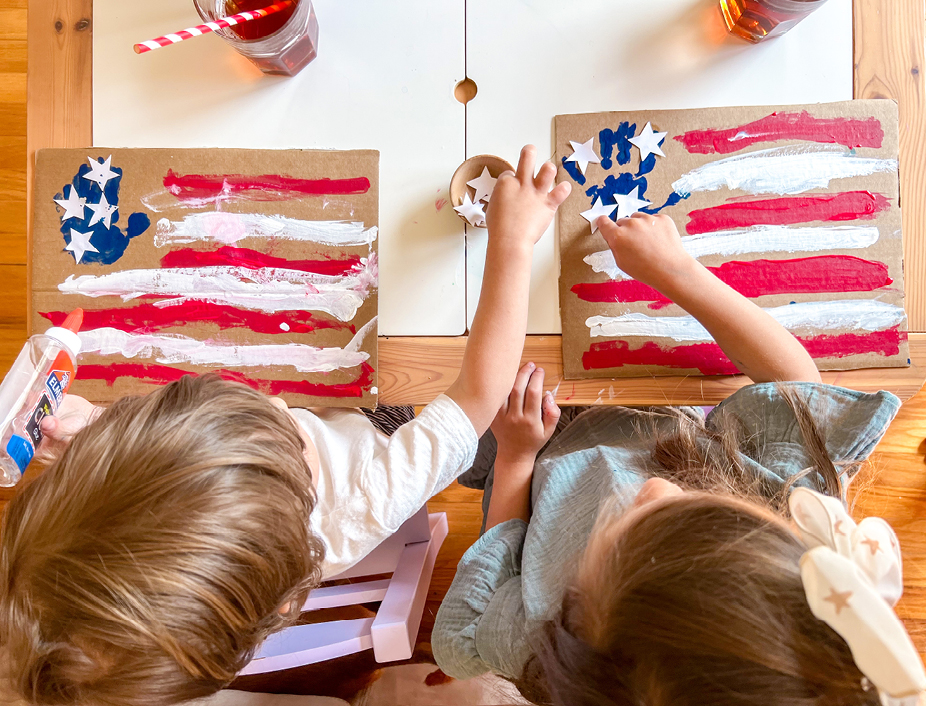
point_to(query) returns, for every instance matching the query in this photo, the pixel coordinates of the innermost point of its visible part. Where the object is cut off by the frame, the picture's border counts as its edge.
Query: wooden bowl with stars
(470, 170)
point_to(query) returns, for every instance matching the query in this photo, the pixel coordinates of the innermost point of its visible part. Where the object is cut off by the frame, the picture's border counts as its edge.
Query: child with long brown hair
(647, 557)
(176, 531)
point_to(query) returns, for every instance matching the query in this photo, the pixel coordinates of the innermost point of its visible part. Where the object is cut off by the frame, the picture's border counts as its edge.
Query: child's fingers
(559, 194)
(551, 414)
(544, 179)
(526, 164)
(516, 398)
(534, 395)
(49, 426)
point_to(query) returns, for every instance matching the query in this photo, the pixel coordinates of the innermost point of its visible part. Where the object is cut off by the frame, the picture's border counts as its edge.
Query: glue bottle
(32, 390)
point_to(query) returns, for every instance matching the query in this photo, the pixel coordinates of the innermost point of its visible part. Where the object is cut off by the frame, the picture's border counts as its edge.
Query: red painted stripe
(709, 359)
(846, 206)
(254, 260)
(851, 132)
(272, 187)
(164, 41)
(162, 374)
(184, 34)
(145, 318)
(757, 278)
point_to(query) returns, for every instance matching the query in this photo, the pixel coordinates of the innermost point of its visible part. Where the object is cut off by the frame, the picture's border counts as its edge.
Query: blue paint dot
(573, 170)
(647, 165)
(138, 224)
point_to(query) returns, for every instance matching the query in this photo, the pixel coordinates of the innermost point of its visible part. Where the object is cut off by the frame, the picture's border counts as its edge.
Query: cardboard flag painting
(258, 265)
(796, 208)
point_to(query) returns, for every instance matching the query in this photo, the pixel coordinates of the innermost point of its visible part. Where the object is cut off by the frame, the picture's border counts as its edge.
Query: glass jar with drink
(281, 43)
(756, 20)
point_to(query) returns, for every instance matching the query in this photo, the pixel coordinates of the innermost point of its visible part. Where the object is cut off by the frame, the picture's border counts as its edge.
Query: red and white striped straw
(230, 21)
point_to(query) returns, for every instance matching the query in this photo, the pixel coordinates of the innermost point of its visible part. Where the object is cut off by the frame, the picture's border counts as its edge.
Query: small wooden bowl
(471, 169)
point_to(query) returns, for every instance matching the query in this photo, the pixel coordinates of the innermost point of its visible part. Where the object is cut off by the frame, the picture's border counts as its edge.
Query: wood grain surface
(889, 63)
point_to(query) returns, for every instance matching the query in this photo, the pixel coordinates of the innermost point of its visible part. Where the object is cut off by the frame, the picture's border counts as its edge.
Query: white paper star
(474, 213)
(484, 185)
(73, 205)
(649, 141)
(100, 171)
(102, 211)
(597, 212)
(582, 154)
(629, 204)
(80, 243)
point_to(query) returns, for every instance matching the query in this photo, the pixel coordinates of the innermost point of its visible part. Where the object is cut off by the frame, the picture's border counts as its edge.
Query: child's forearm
(757, 344)
(511, 491)
(496, 338)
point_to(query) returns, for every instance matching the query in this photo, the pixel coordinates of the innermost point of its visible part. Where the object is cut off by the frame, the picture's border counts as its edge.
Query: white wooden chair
(409, 556)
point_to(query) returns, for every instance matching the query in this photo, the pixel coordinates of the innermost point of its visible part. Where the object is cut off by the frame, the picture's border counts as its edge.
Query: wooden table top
(889, 63)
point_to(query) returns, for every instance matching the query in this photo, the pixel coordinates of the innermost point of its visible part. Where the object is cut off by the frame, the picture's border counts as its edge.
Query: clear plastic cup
(756, 20)
(285, 51)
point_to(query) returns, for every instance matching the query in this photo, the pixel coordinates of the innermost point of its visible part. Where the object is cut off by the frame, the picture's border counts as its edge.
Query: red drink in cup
(755, 20)
(281, 43)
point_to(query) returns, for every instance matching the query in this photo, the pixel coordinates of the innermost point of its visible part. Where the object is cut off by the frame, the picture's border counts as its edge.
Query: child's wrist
(515, 457)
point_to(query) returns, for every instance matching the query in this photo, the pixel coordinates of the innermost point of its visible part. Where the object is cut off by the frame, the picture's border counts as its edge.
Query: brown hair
(697, 598)
(150, 560)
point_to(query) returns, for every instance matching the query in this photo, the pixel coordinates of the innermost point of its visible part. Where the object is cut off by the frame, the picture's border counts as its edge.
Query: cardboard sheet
(796, 207)
(258, 264)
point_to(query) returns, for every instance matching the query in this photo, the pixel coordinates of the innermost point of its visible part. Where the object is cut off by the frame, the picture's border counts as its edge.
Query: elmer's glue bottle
(33, 389)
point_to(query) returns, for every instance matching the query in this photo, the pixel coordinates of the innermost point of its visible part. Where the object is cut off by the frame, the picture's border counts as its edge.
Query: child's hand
(523, 206)
(73, 415)
(648, 248)
(527, 418)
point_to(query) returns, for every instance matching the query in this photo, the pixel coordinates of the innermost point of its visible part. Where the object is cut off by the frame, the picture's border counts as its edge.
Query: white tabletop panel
(533, 59)
(383, 80)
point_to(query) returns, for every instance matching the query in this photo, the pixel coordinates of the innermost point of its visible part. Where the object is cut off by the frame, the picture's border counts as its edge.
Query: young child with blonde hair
(654, 557)
(177, 530)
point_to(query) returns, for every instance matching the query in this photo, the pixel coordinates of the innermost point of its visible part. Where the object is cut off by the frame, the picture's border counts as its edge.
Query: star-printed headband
(853, 577)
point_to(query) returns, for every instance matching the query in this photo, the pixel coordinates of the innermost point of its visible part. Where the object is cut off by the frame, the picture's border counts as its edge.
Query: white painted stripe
(174, 38)
(267, 289)
(758, 239)
(229, 228)
(781, 170)
(175, 348)
(841, 315)
(232, 21)
(213, 26)
(151, 44)
(195, 31)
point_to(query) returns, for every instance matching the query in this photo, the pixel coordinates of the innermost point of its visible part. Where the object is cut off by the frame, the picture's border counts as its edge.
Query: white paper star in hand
(649, 141)
(596, 212)
(73, 205)
(102, 211)
(629, 204)
(80, 243)
(100, 171)
(474, 213)
(582, 154)
(484, 185)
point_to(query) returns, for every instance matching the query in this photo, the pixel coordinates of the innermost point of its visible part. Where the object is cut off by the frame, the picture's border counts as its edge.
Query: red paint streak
(439, 204)
(146, 318)
(851, 132)
(709, 359)
(757, 278)
(846, 206)
(162, 374)
(269, 187)
(254, 260)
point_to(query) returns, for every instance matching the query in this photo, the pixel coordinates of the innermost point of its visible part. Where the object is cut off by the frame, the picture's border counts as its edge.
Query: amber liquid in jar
(755, 20)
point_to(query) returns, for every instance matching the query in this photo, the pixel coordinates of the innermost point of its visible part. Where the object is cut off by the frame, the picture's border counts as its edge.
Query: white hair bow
(853, 577)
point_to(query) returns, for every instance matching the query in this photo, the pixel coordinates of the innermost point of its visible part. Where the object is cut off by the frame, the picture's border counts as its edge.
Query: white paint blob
(758, 239)
(230, 228)
(840, 315)
(781, 170)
